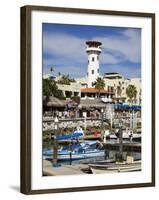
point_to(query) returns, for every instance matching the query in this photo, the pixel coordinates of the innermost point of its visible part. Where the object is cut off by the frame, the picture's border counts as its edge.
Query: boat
(78, 151)
(67, 155)
(109, 160)
(128, 135)
(99, 168)
(76, 134)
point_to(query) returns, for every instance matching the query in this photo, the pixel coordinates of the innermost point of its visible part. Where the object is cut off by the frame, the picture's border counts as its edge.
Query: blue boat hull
(75, 155)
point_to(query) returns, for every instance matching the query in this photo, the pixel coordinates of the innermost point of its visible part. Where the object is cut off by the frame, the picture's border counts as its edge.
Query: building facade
(117, 83)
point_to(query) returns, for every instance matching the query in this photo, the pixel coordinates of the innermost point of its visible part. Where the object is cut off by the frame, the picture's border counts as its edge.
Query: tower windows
(92, 71)
(97, 57)
(98, 70)
(92, 59)
(87, 73)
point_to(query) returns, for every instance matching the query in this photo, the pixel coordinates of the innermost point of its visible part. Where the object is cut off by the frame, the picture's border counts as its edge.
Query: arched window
(92, 59)
(92, 71)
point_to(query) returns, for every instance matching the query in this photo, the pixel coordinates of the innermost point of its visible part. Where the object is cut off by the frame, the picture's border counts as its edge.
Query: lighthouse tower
(93, 50)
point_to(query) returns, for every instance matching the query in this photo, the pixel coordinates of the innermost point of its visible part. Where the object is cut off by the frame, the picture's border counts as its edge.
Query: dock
(136, 147)
(49, 170)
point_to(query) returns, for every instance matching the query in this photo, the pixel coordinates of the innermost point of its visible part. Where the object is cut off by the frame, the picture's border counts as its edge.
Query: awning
(126, 106)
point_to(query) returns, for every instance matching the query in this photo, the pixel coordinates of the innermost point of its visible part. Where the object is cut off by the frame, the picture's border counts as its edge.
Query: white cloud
(69, 50)
(64, 46)
(107, 58)
(127, 44)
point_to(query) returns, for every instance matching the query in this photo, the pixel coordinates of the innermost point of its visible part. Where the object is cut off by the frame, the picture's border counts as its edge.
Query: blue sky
(64, 49)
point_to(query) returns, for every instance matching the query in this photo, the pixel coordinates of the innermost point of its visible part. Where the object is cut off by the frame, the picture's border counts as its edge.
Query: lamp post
(85, 120)
(111, 120)
(102, 120)
(120, 140)
(55, 146)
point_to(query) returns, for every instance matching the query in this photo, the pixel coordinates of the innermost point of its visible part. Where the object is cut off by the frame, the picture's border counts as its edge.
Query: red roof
(94, 90)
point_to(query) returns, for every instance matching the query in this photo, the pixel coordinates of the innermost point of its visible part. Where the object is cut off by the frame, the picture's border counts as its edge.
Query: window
(92, 59)
(97, 57)
(88, 61)
(98, 70)
(87, 73)
(92, 71)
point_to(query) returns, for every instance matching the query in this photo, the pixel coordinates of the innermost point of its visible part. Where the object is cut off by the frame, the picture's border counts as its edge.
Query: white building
(117, 83)
(74, 89)
(82, 81)
(93, 50)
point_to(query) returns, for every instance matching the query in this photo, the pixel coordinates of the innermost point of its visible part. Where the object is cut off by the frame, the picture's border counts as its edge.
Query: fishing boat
(76, 150)
(83, 150)
(99, 168)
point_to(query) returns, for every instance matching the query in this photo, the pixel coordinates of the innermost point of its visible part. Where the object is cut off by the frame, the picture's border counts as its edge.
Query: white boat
(126, 135)
(115, 167)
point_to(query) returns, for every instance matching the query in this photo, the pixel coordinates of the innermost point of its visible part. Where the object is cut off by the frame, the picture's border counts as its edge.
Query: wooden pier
(49, 170)
(136, 147)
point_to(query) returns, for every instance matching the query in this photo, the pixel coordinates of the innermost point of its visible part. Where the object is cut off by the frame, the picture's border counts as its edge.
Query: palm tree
(66, 80)
(59, 73)
(131, 92)
(119, 90)
(51, 69)
(99, 85)
(50, 89)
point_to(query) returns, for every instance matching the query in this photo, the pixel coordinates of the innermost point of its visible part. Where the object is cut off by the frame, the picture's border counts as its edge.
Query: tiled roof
(94, 90)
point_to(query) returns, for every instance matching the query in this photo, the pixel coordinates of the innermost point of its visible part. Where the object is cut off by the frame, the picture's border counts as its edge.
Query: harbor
(78, 155)
(108, 141)
(91, 124)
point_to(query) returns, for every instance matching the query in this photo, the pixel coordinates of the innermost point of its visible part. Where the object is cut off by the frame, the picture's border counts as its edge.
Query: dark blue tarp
(70, 136)
(126, 106)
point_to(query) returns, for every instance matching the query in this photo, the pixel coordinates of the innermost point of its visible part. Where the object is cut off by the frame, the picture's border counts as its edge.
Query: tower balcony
(93, 49)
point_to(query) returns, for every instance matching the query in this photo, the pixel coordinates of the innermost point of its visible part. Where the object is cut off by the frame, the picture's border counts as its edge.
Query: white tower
(93, 50)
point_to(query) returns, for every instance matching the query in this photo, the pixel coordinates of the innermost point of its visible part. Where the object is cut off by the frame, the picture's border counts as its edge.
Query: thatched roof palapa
(92, 103)
(53, 102)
